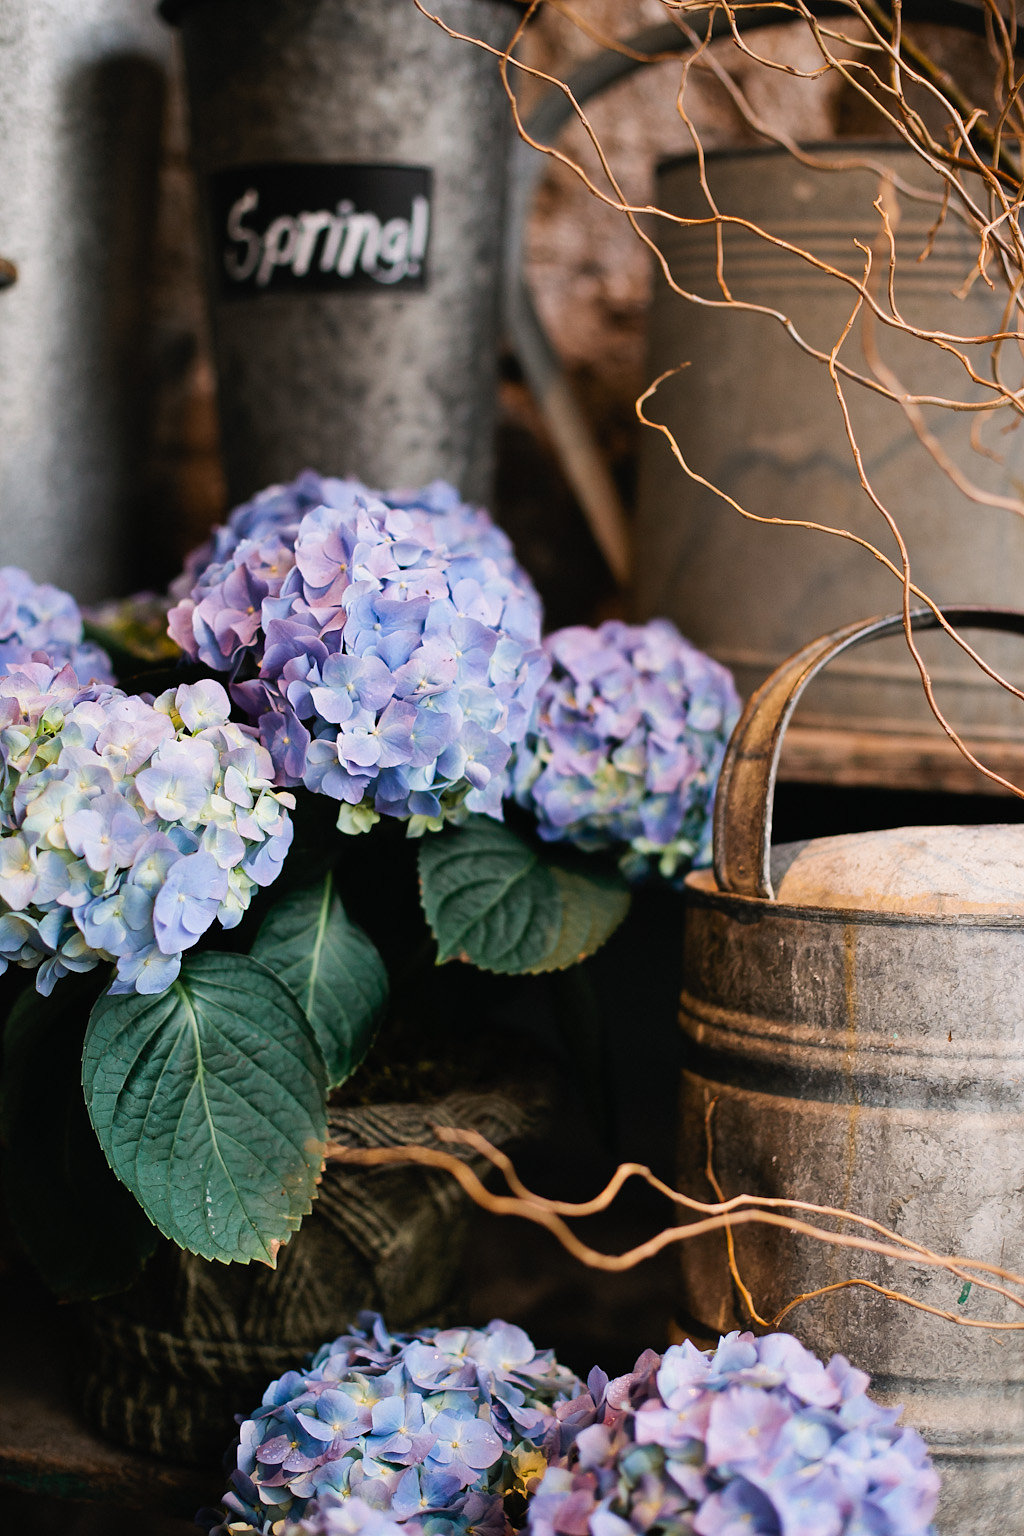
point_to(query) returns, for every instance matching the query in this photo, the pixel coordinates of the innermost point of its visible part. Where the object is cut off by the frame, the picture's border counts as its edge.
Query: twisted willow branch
(977, 182)
(718, 1216)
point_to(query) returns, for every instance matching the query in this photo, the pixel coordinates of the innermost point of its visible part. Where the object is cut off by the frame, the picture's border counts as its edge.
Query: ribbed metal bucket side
(860, 1055)
(877, 1067)
(760, 420)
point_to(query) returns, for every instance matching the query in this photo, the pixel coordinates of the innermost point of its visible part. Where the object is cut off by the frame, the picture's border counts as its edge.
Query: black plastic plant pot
(351, 158)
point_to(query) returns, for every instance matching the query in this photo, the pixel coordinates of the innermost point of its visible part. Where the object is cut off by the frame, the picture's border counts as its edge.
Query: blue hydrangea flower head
(626, 745)
(387, 644)
(128, 827)
(757, 1436)
(39, 622)
(435, 1432)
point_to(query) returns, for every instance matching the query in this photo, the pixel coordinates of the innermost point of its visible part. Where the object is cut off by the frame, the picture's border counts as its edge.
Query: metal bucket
(352, 161)
(852, 1009)
(81, 100)
(760, 420)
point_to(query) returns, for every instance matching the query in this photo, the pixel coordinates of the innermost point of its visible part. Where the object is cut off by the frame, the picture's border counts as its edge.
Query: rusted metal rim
(748, 908)
(746, 788)
(8, 273)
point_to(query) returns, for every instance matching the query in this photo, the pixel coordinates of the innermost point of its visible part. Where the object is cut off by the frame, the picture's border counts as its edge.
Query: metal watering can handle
(746, 787)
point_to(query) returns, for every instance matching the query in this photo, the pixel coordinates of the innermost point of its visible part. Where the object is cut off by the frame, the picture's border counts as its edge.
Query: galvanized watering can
(854, 1012)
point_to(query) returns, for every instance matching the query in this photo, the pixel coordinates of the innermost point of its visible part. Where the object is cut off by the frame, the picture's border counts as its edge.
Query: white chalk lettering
(240, 266)
(394, 250)
(311, 227)
(345, 243)
(361, 243)
(418, 234)
(332, 245)
(279, 243)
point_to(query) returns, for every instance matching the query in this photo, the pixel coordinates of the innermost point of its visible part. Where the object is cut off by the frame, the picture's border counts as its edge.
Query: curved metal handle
(746, 787)
(8, 273)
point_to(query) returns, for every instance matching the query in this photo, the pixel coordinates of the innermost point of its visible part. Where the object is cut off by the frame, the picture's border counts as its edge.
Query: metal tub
(853, 1010)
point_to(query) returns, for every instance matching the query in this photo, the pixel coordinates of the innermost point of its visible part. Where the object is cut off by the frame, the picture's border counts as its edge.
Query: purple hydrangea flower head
(41, 623)
(757, 1436)
(437, 1432)
(626, 744)
(127, 827)
(387, 644)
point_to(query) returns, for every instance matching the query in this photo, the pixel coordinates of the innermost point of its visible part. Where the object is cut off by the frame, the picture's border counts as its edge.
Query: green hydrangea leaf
(508, 905)
(488, 897)
(209, 1102)
(333, 969)
(594, 903)
(79, 1226)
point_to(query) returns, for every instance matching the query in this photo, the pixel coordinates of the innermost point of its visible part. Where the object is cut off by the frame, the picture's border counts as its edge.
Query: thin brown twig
(910, 587)
(730, 1245)
(948, 341)
(535, 1209)
(884, 84)
(473, 1141)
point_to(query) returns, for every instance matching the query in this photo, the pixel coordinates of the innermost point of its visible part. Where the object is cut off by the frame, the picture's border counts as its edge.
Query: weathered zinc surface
(81, 97)
(771, 438)
(355, 320)
(854, 1013)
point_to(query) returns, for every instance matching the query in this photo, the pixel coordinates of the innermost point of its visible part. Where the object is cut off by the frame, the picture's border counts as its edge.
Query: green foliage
(333, 969)
(79, 1226)
(594, 902)
(209, 1102)
(510, 906)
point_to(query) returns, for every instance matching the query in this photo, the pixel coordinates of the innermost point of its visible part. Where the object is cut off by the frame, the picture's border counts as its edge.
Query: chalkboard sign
(287, 228)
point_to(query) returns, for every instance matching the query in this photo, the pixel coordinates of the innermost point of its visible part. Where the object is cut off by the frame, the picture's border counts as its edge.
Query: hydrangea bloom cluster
(387, 645)
(275, 514)
(335, 1514)
(757, 1436)
(627, 744)
(433, 1430)
(39, 622)
(127, 828)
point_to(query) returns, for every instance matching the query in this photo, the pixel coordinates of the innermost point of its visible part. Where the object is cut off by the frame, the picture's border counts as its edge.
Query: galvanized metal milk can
(854, 1015)
(352, 164)
(753, 414)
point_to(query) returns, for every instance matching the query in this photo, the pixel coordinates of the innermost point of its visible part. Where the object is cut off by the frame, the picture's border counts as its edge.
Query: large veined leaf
(594, 902)
(209, 1101)
(333, 969)
(79, 1226)
(506, 905)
